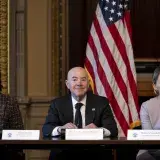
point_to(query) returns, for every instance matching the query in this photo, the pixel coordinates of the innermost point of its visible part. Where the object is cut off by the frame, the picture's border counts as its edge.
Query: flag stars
(120, 6)
(125, 6)
(105, 8)
(119, 14)
(113, 3)
(112, 10)
(111, 18)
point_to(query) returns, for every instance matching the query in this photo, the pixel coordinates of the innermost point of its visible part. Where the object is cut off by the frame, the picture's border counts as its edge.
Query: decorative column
(4, 45)
(59, 45)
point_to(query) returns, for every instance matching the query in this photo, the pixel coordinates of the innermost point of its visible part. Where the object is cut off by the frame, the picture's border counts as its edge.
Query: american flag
(110, 62)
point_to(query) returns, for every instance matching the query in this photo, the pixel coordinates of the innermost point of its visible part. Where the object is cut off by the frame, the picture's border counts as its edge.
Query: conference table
(59, 143)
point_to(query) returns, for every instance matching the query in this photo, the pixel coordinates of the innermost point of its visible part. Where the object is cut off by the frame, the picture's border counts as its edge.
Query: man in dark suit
(95, 110)
(10, 118)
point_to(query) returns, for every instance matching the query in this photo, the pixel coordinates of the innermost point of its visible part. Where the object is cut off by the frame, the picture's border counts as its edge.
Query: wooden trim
(12, 46)
(24, 101)
(49, 48)
(55, 47)
(65, 45)
(59, 45)
(41, 99)
(32, 100)
(147, 59)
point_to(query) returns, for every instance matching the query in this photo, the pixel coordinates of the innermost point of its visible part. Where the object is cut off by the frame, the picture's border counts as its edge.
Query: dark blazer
(10, 118)
(61, 112)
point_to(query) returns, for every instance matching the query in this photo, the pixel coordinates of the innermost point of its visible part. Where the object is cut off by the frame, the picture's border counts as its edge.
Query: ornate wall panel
(4, 22)
(59, 45)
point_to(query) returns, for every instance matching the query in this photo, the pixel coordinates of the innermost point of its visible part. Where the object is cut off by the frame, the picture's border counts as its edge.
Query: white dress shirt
(83, 108)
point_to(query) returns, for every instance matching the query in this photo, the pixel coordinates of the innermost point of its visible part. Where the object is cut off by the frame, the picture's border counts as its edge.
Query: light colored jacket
(150, 115)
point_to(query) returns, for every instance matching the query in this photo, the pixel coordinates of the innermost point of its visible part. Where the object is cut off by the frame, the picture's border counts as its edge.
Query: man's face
(77, 82)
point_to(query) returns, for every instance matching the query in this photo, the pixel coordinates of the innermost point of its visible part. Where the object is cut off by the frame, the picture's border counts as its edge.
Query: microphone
(93, 114)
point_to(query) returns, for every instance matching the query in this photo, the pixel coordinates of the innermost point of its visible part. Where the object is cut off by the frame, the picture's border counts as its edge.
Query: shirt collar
(82, 101)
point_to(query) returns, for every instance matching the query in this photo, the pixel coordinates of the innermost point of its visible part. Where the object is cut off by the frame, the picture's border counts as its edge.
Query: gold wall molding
(54, 46)
(4, 35)
(29, 101)
(59, 45)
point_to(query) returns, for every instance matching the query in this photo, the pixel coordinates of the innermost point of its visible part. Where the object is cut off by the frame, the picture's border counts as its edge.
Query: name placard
(84, 134)
(143, 135)
(20, 134)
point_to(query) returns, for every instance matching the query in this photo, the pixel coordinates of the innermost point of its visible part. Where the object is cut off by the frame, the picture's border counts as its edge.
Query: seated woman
(10, 119)
(150, 117)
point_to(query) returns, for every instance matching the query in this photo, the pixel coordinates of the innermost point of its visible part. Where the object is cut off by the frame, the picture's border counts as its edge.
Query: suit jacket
(61, 112)
(10, 118)
(150, 114)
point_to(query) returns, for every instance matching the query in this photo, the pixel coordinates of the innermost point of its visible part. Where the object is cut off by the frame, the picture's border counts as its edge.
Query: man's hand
(91, 125)
(67, 126)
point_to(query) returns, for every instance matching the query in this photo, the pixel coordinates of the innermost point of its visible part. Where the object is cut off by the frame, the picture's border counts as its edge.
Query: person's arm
(53, 125)
(108, 121)
(57, 130)
(52, 121)
(146, 124)
(15, 118)
(106, 132)
(144, 116)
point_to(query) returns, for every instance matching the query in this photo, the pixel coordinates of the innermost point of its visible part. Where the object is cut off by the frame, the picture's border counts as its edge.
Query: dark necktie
(78, 116)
